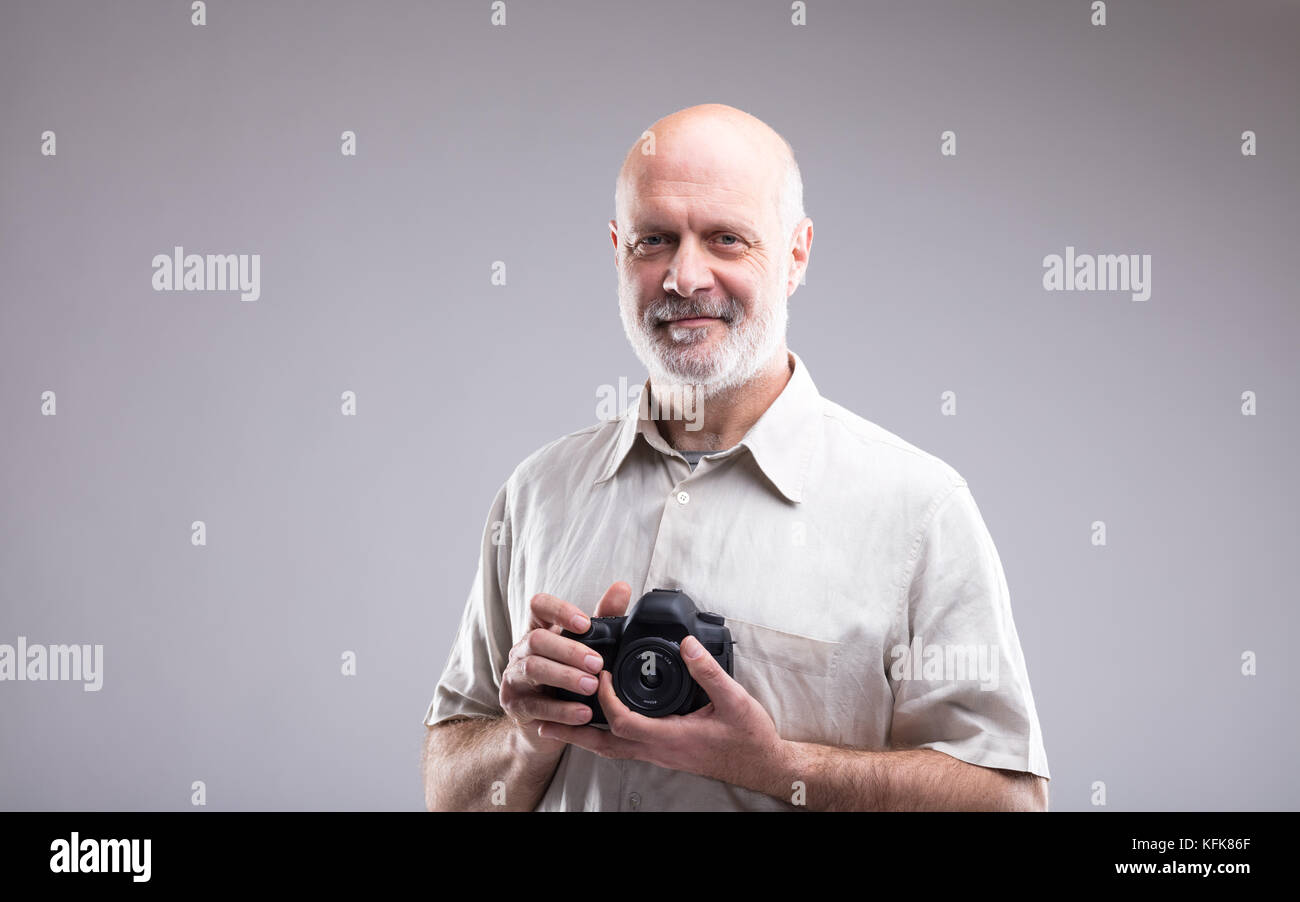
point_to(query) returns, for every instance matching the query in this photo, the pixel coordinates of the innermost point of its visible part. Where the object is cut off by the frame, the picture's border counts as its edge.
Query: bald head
(694, 145)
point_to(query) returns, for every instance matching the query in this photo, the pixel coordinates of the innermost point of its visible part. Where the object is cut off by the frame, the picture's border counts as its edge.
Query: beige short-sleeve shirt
(867, 601)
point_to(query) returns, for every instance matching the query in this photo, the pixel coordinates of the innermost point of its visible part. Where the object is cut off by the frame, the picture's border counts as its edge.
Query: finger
(615, 600)
(556, 647)
(727, 695)
(538, 671)
(551, 611)
(601, 742)
(541, 708)
(622, 720)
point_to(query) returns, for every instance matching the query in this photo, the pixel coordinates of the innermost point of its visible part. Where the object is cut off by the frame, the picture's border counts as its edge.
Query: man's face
(702, 265)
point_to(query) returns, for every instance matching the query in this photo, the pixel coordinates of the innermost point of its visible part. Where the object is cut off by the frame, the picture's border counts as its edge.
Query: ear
(800, 248)
(613, 232)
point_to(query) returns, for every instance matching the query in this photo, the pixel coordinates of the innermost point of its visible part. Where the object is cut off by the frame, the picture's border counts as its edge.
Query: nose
(688, 270)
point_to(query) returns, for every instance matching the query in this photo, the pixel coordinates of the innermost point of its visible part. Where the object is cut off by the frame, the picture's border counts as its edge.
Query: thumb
(615, 601)
(726, 694)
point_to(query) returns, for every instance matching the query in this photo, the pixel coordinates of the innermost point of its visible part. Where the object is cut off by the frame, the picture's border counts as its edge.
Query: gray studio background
(476, 143)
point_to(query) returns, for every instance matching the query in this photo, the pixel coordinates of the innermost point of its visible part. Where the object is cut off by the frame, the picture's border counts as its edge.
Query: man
(853, 569)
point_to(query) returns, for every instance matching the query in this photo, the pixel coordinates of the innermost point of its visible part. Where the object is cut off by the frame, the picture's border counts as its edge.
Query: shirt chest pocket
(791, 676)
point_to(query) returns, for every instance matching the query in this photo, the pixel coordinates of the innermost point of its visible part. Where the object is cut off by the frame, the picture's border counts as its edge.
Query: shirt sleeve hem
(440, 713)
(1002, 760)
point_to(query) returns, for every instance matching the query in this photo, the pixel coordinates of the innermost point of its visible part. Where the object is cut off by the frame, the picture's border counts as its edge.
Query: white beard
(675, 359)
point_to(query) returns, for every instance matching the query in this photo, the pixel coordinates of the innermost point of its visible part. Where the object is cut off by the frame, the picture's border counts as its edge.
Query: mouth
(691, 321)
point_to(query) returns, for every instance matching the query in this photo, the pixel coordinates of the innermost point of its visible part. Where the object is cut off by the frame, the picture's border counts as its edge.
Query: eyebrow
(738, 226)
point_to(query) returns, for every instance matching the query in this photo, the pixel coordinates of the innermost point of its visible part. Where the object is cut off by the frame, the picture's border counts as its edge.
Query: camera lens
(650, 678)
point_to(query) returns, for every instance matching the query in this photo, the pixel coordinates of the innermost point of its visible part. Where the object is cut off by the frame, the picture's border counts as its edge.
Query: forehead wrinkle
(660, 188)
(745, 212)
(662, 217)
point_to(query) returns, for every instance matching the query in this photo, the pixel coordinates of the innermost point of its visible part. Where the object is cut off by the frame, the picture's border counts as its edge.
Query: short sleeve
(960, 685)
(470, 685)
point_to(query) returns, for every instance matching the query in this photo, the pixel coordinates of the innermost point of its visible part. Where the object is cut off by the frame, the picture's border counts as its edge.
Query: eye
(650, 238)
(735, 241)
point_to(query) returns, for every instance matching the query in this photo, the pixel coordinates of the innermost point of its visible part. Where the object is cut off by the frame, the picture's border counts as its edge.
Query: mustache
(728, 310)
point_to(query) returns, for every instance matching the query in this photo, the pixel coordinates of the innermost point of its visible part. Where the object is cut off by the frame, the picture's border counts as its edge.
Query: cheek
(748, 292)
(640, 284)
(747, 277)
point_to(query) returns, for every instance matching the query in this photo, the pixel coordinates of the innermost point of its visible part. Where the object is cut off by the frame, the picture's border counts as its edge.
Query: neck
(723, 419)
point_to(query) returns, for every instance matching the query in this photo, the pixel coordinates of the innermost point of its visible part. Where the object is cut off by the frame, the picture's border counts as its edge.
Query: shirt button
(634, 800)
(683, 497)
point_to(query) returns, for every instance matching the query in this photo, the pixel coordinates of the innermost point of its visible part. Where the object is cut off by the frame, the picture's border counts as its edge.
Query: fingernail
(692, 648)
(588, 684)
(594, 663)
(580, 623)
(584, 715)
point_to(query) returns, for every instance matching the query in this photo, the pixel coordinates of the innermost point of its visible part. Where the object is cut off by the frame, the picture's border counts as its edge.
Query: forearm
(840, 779)
(486, 764)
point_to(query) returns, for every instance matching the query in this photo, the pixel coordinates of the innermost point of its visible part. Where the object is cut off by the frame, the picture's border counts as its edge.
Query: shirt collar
(781, 441)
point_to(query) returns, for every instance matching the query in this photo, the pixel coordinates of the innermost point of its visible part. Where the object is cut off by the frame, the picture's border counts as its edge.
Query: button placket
(663, 564)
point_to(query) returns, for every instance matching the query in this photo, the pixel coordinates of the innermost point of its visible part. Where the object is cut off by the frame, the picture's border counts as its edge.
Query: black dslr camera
(643, 654)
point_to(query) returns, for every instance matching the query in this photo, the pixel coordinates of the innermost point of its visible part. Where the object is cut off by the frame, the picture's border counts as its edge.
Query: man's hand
(543, 658)
(731, 739)
(466, 761)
